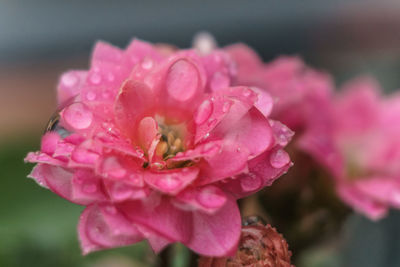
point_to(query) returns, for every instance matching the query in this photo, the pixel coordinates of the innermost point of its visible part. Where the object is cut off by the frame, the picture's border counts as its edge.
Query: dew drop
(136, 180)
(147, 64)
(69, 79)
(203, 112)
(211, 197)
(169, 182)
(182, 80)
(250, 182)
(246, 92)
(206, 136)
(226, 107)
(91, 96)
(78, 116)
(121, 191)
(279, 158)
(95, 78)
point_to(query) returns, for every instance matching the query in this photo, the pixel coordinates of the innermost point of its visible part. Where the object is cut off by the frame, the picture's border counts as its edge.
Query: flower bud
(260, 245)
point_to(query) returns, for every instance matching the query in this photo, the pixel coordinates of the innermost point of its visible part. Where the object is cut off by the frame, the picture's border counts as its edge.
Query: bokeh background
(40, 39)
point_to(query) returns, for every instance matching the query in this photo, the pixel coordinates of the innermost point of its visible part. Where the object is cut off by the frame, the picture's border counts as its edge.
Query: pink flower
(157, 145)
(302, 99)
(366, 132)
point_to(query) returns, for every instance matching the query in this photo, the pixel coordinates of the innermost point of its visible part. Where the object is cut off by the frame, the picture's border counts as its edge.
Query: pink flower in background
(302, 99)
(367, 131)
(158, 145)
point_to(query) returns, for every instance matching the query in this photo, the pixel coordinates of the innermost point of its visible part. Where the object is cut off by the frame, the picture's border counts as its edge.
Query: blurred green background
(41, 39)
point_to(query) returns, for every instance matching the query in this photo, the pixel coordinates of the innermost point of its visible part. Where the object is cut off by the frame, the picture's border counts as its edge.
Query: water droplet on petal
(279, 158)
(136, 180)
(91, 96)
(78, 116)
(206, 136)
(250, 182)
(246, 92)
(211, 148)
(121, 191)
(69, 79)
(203, 112)
(112, 167)
(211, 197)
(182, 81)
(169, 182)
(226, 107)
(95, 78)
(147, 64)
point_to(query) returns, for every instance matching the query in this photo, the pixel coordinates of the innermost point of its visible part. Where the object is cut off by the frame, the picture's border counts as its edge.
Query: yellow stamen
(161, 148)
(170, 138)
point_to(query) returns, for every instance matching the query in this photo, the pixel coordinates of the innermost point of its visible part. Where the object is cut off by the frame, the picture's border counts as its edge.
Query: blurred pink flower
(366, 132)
(302, 99)
(157, 145)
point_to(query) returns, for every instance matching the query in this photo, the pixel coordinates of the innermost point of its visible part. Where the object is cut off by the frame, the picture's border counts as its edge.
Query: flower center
(171, 140)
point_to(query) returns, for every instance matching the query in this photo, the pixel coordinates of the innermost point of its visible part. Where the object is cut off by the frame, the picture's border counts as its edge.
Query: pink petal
(173, 181)
(205, 150)
(217, 234)
(134, 102)
(69, 86)
(122, 191)
(159, 215)
(227, 116)
(247, 61)
(156, 241)
(209, 114)
(252, 131)
(80, 187)
(104, 52)
(36, 174)
(264, 101)
(38, 157)
(282, 133)
(76, 117)
(178, 85)
(383, 189)
(147, 132)
(102, 227)
(86, 188)
(49, 142)
(263, 171)
(358, 104)
(137, 50)
(208, 199)
(361, 203)
(231, 160)
(182, 81)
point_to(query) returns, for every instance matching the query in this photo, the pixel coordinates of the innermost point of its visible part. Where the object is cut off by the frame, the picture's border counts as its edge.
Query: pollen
(170, 141)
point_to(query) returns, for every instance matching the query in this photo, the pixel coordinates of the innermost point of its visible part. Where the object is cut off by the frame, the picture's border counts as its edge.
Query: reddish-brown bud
(260, 245)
